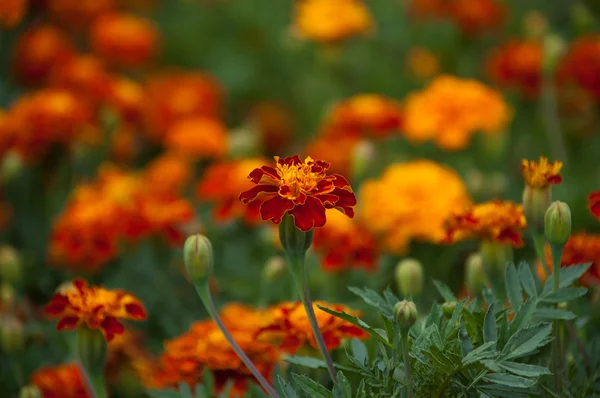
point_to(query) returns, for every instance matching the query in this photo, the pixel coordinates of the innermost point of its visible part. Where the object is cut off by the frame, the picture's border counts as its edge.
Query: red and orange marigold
(541, 174)
(594, 203)
(581, 64)
(94, 306)
(12, 12)
(78, 14)
(62, 381)
(301, 188)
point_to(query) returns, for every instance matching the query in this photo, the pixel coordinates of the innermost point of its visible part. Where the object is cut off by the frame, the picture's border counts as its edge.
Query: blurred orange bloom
(168, 173)
(290, 329)
(124, 39)
(339, 150)
(301, 188)
(344, 243)
(78, 13)
(411, 201)
(126, 350)
(96, 307)
(594, 203)
(450, 110)
(85, 75)
(518, 64)
(198, 137)
(37, 51)
(222, 183)
(581, 64)
(496, 221)
(62, 381)
(12, 12)
(275, 123)
(541, 174)
(175, 95)
(422, 63)
(331, 21)
(127, 98)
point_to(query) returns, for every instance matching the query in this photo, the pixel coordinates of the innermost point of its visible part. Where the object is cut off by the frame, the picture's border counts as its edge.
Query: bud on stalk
(405, 313)
(557, 223)
(198, 258)
(409, 277)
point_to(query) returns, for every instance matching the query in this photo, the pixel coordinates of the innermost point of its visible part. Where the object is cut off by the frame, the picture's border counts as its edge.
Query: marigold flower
(96, 307)
(541, 174)
(497, 221)
(198, 137)
(581, 64)
(62, 381)
(126, 97)
(450, 110)
(168, 173)
(300, 188)
(337, 148)
(12, 12)
(175, 95)
(288, 325)
(518, 64)
(85, 75)
(38, 51)
(330, 21)
(594, 203)
(222, 183)
(411, 201)
(124, 39)
(422, 63)
(78, 13)
(345, 243)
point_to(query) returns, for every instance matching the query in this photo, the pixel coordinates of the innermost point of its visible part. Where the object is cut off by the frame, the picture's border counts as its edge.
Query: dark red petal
(79, 284)
(136, 310)
(256, 175)
(329, 200)
(292, 160)
(309, 215)
(56, 305)
(323, 186)
(594, 203)
(556, 179)
(68, 323)
(112, 326)
(254, 192)
(274, 209)
(340, 181)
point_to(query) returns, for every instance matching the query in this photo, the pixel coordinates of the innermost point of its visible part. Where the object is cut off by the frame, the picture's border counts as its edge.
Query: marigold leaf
(568, 275)
(452, 323)
(315, 363)
(527, 279)
(444, 291)
(490, 333)
(513, 287)
(484, 351)
(311, 387)
(527, 340)
(549, 314)
(356, 321)
(510, 380)
(342, 388)
(523, 369)
(359, 351)
(564, 294)
(286, 389)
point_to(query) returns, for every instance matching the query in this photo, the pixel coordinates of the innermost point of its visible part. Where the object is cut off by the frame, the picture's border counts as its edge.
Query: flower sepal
(295, 242)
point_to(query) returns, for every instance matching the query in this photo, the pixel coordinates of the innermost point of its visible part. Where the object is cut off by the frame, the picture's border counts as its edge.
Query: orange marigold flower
(198, 137)
(63, 381)
(301, 188)
(124, 39)
(85, 75)
(339, 148)
(344, 244)
(96, 307)
(581, 64)
(126, 97)
(411, 201)
(330, 21)
(518, 64)
(38, 51)
(78, 13)
(12, 12)
(289, 326)
(175, 95)
(422, 63)
(450, 110)
(541, 174)
(594, 203)
(222, 183)
(168, 173)
(497, 221)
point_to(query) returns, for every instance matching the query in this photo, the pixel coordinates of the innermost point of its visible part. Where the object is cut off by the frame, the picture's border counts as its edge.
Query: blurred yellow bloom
(410, 201)
(450, 110)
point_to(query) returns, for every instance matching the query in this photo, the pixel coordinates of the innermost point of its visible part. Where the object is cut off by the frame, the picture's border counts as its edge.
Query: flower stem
(539, 241)
(298, 270)
(557, 251)
(206, 298)
(95, 383)
(404, 335)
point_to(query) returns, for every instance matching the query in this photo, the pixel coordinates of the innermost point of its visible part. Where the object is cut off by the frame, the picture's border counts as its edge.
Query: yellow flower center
(299, 177)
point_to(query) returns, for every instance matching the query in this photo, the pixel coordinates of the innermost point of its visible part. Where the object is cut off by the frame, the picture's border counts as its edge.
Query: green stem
(204, 293)
(298, 269)
(557, 251)
(539, 241)
(404, 335)
(95, 383)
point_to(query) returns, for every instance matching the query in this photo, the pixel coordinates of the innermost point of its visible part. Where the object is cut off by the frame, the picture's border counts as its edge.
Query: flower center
(299, 178)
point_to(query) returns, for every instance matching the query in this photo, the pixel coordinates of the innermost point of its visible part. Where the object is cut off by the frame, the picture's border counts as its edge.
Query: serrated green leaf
(510, 380)
(435, 315)
(356, 321)
(524, 316)
(527, 279)
(315, 363)
(500, 391)
(390, 297)
(523, 369)
(491, 365)
(342, 388)
(466, 345)
(388, 325)
(547, 313)
(484, 351)
(445, 291)
(311, 387)
(488, 295)
(286, 388)
(163, 393)
(527, 340)
(513, 287)
(361, 392)
(372, 298)
(568, 275)
(359, 351)
(440, 360)
(490, 334)
(452, 323)
(564, 294)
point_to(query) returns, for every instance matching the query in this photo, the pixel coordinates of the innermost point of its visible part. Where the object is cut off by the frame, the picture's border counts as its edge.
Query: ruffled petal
(111, 327)
(251, 194)
(309, 215)
(289, 161)
(57, 305)
(346, 202)
(594, 203)
(68, 323)
(274, 209)
(135, 310)
(268, 172)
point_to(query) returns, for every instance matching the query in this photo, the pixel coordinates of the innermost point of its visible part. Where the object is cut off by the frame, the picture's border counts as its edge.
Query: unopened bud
(295, 242)
(554, 47)
(274, 268)
(10, 264)
(409, 277)
(557, 223)
(495, 257)
(448, 308)
(535, 203)
(198, 258)
(12, 335)
(30, 392)
(362, 156)
(475, 278)
(405, 313)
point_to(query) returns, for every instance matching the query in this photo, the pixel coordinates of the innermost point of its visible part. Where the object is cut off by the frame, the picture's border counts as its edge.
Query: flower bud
(274, 269)
(295, 243)
(30, 392)
(11, 167)
(362, 156)
(12, 335)
(448, 308)
(198, 258)
(405, 313)
(535, 203)
(10, 264)
(409, 277)
(475, 277)
(557, 223)
(91, 349)
(244, 141)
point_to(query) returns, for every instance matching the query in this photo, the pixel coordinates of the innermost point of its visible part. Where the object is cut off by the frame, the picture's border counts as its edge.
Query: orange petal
(254, 192)
(274, 209)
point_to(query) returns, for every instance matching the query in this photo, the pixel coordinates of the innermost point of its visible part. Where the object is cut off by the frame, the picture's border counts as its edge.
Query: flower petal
(68, 323)
(112, 326)
(251, 194)
(309, 215)
(274, 209)
(135, 310)
(346, 202)
(265, 171)
(57, 305)
(292, 160)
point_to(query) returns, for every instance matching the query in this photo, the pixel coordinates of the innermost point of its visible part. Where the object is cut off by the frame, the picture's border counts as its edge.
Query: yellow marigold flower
(411, 201)
(496, 221)
(541, 174)
(331, 20)
(450, 110)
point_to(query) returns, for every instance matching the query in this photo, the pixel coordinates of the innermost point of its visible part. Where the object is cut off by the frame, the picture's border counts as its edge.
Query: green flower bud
(274, 269)
(30, 392)
(448, 308)
(405, 313)
(362, 156)
(557, 223)
(295, 243)
(475, 277)
(495, 256)
(198, 258)
(91, 350)
(10, 264)
(12, 335)
(409, 277)
(535, 203)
